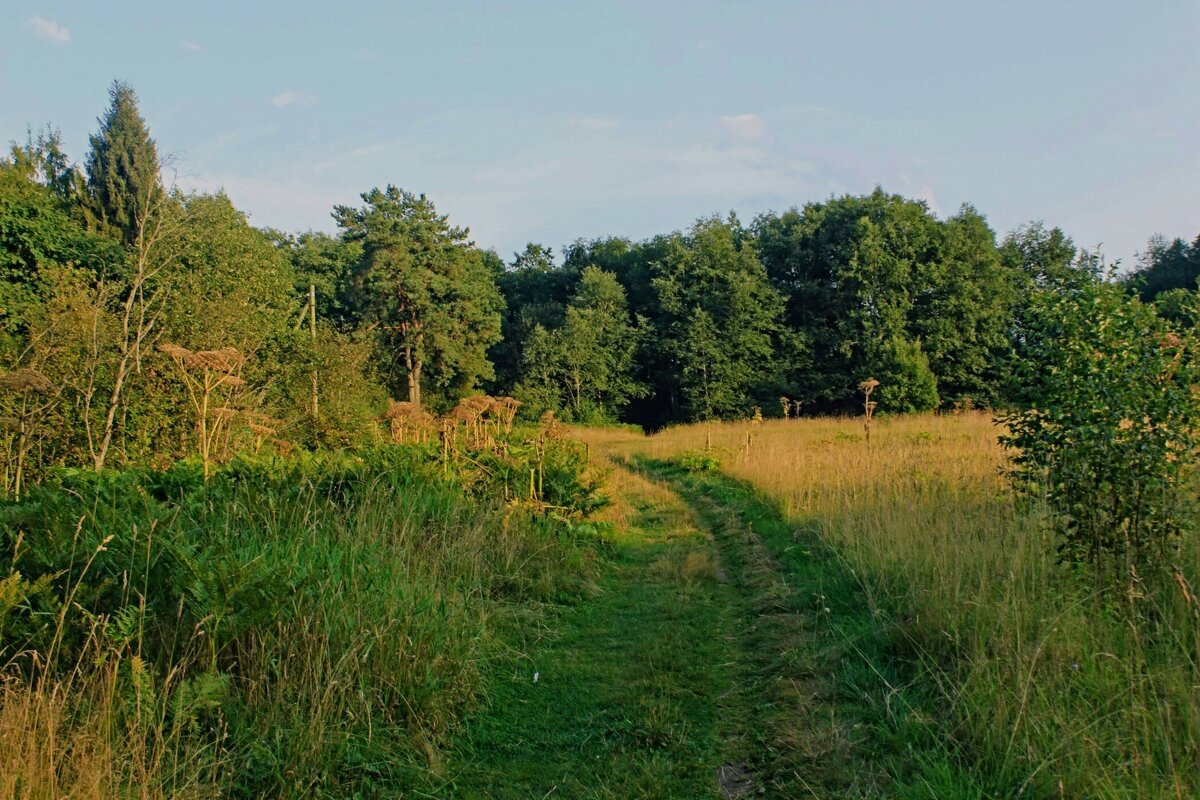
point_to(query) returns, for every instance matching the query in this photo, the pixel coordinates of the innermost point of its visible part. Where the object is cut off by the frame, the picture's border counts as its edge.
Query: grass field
(1043, 688)
(774, 610)
(304, 628)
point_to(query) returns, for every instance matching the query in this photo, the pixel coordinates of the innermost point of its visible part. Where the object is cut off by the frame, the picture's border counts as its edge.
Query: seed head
(25, 381)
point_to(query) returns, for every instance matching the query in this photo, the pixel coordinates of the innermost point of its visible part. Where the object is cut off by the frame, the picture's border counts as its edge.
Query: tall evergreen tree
(122, 167)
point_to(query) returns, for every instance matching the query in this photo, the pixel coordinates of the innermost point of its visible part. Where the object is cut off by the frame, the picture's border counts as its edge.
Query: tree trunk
(140, 314)
(110, 417)
(203, 424)
(414, 377)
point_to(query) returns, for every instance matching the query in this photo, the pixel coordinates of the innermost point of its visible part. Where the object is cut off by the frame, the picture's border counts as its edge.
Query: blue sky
(550, 121)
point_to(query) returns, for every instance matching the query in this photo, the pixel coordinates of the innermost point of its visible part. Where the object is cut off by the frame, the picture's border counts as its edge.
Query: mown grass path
(724, 655)
(632, 691)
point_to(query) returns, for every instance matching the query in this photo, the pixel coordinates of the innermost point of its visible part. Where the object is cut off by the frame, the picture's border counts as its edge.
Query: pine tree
(122, 168)
(427, 290)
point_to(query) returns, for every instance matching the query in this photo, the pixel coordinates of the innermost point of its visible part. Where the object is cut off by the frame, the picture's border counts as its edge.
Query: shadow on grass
(837, 710)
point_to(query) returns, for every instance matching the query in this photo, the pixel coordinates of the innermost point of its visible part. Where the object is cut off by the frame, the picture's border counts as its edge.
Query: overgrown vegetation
(299, 627)
(1107, 429)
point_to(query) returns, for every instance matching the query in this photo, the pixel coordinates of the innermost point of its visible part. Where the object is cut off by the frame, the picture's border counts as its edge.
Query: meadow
(1040, 686)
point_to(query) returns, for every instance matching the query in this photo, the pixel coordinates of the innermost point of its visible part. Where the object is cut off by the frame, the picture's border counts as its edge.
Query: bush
(1107, 426)
(700, 461)
(907, 384)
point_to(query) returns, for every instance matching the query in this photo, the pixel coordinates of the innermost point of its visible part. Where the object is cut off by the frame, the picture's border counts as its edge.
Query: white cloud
(293, 99)
(747, 127)
(48, 29)
(926, 193)
(919, 190)
(593, 123)
(191, 47)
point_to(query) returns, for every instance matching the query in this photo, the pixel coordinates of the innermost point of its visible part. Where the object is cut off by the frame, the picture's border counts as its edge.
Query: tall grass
(1047, 689)
(309, 629)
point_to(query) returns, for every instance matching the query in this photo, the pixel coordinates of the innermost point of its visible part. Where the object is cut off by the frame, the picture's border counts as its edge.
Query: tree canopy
(104, 274)
(122, 167)
(425, 288)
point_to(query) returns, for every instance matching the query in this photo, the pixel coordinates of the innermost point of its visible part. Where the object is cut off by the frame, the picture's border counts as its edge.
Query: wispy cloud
(48, 29)
(593, 123)
(191, 47)
(293, 99)
(746, 127)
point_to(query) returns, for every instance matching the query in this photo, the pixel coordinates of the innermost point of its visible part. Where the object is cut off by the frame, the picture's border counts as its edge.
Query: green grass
(632, 696)
(720, 635)
(835, 710)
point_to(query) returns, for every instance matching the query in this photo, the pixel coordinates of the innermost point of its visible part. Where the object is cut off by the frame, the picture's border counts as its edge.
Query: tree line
(140, 323)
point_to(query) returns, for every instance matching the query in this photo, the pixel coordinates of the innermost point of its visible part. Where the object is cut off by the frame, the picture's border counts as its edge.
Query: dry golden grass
(1047, 686)
(66, 739)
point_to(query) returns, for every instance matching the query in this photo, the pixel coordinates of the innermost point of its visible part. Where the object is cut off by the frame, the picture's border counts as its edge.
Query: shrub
(1107, 425)
(700, 461)
(907, 382)
(310, 626)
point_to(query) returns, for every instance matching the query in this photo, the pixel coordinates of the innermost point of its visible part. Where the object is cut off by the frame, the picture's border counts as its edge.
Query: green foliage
(1041, 258)
(37, 232)
(326, 263)
(1107, 426)
(1179, 307)
(705, 460)
(719, 330)
(535, 293)
(851, 269)
(1166, 266)
(962, 311)
(427, 289)
(584, 367)
(232, 287)
(230, 605)
(907, 384)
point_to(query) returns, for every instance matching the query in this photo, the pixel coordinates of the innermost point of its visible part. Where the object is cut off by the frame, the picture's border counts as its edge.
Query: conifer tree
(122, 167)
(427, 290)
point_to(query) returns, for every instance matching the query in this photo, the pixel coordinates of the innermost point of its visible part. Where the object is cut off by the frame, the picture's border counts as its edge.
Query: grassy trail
(723, 656)
(627, 694)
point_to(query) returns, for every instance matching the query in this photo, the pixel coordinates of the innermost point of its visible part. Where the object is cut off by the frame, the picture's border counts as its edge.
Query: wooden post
(312, 329)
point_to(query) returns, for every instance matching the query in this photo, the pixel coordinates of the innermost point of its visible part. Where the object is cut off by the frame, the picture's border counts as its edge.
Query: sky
(551, 121)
